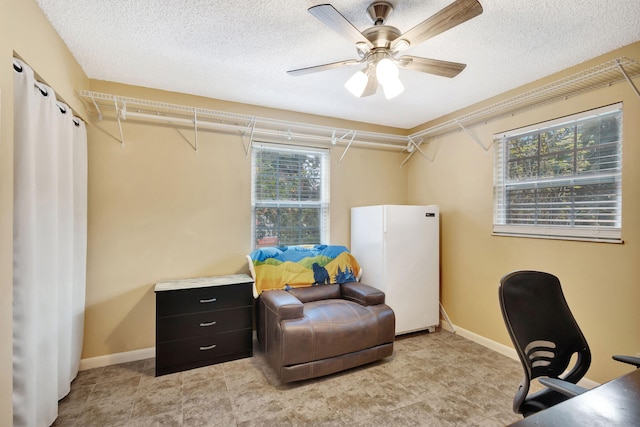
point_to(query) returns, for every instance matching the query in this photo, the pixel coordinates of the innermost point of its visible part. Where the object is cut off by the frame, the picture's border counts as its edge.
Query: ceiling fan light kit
(380, 71)
(357, 83)
(392, 88)
(380, 46)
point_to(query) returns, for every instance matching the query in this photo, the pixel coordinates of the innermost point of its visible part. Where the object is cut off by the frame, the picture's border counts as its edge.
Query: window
(561, 179)
(290, 195)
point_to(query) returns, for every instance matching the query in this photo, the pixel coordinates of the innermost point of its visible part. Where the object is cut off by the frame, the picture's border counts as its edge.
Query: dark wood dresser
(203, 321)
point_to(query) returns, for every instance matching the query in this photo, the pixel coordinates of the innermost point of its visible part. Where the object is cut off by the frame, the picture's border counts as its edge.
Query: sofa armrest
(361, 293)
(282, 304)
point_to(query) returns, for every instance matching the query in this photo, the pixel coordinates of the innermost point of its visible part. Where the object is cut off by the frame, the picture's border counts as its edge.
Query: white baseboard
(501, 348)
(485, 342)
(114, 359)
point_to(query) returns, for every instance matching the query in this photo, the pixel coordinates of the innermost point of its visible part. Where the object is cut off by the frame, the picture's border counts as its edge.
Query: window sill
(571, 238)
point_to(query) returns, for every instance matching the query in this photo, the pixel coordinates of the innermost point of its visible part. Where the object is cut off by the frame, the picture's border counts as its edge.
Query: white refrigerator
(398, 248)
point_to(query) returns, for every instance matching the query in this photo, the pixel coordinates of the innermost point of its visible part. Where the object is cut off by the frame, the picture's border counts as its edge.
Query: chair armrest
(563, 387)
(282, 304)
(521, 394)
(635, 361)
(361, 293)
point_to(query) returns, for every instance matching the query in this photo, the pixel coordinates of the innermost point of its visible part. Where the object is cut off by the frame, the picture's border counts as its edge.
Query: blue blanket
(298, 266)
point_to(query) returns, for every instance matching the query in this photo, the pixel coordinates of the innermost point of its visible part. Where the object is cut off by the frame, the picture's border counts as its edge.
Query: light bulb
(357, 83)
(386, 71)
(392, 88)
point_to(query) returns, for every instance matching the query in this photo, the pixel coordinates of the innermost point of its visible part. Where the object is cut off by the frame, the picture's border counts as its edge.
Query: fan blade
(431, 66)
(454, 14)
(338, 23)
(317, 68)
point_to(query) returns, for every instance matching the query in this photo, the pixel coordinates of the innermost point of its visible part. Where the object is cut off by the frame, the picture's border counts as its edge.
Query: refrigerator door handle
(384, 220)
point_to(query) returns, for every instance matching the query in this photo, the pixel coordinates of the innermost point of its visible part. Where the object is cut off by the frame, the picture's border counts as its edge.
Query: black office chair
(546, 336)
(544, 333)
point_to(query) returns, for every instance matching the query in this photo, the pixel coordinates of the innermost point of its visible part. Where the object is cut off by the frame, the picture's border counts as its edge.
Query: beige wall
(601, 281)
(158, 210)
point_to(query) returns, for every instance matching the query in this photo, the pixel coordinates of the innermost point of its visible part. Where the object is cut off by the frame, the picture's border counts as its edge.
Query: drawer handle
(209, 347)
(204, 301)
(207, 324)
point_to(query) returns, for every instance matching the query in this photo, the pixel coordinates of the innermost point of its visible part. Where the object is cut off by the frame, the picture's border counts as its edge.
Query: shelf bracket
(411, 153)
(626, 76)
(407, 158)
(247, 149)
(95, 104)
(195, 128)
(412, 146)
(348, 145)
(118, 112)
(194, 147)
(415, 146)
(474, 137)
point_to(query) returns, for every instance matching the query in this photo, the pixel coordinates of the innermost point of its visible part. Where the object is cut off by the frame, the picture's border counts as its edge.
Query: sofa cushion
(333, 327)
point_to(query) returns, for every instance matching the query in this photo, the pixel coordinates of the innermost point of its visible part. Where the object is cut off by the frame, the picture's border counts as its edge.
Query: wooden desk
(616, 403)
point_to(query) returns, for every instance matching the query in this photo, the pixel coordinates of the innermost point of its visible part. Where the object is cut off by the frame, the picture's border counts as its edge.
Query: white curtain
(49, 255)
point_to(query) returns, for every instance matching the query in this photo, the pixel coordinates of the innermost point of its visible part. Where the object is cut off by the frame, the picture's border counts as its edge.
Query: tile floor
(437, 379)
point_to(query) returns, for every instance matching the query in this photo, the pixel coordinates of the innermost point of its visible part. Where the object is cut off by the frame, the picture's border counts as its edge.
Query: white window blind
(290, 195)
(561, 179)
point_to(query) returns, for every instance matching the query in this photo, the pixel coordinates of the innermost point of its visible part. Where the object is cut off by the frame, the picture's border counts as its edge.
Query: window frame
(322, 203)
(600, 233)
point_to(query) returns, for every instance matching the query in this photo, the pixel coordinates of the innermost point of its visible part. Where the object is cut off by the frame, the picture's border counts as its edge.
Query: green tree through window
(290, 195)
(561, 179)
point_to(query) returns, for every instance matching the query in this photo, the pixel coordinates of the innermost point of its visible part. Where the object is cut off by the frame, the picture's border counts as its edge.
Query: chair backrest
(542, 328)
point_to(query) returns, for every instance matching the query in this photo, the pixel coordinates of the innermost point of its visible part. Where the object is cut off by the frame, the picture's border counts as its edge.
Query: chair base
(318, 368)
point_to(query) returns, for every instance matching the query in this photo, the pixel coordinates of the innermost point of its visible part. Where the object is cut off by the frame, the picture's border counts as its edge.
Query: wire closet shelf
(254, 127)
(251, 126)
(599, 76)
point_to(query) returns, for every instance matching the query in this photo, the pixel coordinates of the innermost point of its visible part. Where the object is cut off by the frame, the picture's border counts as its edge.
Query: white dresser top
(202, 282)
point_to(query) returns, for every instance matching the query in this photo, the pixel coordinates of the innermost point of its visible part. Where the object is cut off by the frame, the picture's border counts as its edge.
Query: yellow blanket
(296, 266)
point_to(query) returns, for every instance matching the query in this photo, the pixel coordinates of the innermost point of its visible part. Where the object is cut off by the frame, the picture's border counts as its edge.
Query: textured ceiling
(240, 50)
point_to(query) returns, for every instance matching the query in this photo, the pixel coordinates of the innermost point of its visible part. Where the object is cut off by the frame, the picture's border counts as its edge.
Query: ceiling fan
(380, 46)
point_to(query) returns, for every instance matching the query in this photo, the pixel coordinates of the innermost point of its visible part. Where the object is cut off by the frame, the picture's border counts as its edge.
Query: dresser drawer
(188, 353)
(206, 323)
(171, 303)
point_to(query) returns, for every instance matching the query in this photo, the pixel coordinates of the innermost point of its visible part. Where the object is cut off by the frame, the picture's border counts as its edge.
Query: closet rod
(264, 132)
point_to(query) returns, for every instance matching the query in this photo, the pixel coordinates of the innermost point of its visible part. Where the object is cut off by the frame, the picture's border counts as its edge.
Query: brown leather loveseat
(314, 331)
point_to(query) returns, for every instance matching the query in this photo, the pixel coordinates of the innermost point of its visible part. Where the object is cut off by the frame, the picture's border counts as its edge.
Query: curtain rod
(18, 66)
